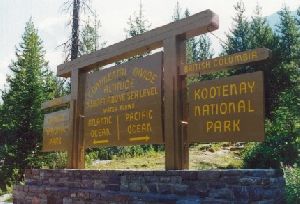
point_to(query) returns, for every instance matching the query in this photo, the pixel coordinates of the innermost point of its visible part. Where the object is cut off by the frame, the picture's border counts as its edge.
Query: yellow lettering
(101, 132)
(245, 57)
(233, 89)
(225, 90)
(209, 125)
(223, 108)
(197, 111)
(251, 86)
(231, 107)
(139, 128)
(212, 92)
(236, 125)
(204, 93)
(55, 141)
(250, 109)
(241, 106)
(140, 115)
(238, 58)
(254, 54)
(197, 95)
(219, 90)
(205, 110)
(93, 122)
(227, 126)
(243, 88)
(110, 76)
(218, 126)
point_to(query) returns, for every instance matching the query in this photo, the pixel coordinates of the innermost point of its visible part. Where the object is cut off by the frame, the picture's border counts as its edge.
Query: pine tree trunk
(75, 29)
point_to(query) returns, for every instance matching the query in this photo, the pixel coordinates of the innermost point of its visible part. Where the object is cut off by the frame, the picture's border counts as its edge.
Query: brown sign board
(227, 110)
(123, 104)
(56, 135)
(226, 62)
(56, 102)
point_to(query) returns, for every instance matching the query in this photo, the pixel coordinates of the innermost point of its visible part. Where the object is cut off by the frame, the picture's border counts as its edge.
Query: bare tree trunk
(75, 29)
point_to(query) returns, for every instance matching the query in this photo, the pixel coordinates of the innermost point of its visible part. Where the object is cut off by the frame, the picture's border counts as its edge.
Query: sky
(51, 21)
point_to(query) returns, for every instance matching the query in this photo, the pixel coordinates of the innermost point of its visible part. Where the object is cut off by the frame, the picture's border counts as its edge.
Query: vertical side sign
(56, 135)
(227, 110)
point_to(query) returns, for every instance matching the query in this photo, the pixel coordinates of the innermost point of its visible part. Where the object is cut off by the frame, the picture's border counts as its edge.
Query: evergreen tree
(137, 24)
(289, 35)
(260, 31)
(29, 85)
(282, 93)
(250, 34)
(239, 37)
(75, 8)
(197, 48)
(263, 36)
(177, 13)
(289, 46)
(90, 39)
(192, 45)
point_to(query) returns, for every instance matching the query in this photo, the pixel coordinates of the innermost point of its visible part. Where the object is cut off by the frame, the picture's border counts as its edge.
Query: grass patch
(222, 159)
(149, 161)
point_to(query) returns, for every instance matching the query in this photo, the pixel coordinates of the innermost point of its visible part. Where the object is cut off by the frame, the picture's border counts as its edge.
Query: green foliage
(90, 39)
(177, 13)
(281, 145)
(137, 24)
(292, 177)
(197, 48)
(30, 83)
(289, 34)
(54, 160)
(250, 34)
(240, 36)
(281, 83)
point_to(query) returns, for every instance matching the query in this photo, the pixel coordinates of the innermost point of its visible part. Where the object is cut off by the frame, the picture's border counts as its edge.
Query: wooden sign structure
(229, 109)
(171, 38)
(226, 62)
(56, 136)
(123, 104)
(143, 101)
(56, 132)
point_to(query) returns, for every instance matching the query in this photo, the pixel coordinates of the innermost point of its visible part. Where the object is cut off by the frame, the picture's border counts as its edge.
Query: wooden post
(172, 38)
(183, 106)
(76, 158)
(176, 150)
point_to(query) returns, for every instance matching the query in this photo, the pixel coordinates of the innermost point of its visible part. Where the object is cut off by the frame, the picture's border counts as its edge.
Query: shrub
(280, 146)
(292, 176)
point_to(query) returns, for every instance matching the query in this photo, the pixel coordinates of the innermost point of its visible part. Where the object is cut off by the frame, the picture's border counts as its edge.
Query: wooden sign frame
(229, 109)
(172, 38)
(56, 136)
(123, 104)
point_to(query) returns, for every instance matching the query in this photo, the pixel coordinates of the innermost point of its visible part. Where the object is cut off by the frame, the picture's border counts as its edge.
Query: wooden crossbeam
(188, 27)
(226, 62)
(56, 102)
